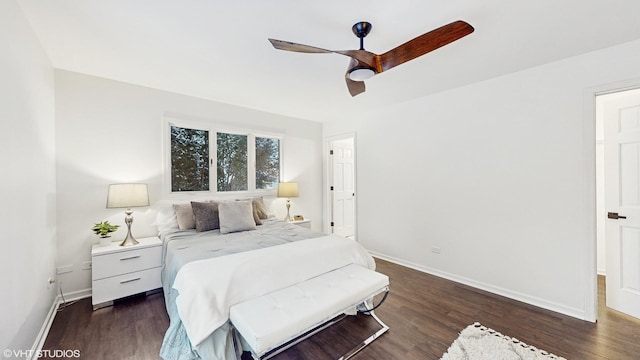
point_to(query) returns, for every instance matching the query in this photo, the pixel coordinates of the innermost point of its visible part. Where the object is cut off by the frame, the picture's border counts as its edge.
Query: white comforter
(208, 288)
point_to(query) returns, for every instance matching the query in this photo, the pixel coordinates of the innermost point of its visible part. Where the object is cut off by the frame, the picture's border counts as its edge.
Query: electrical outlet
(436, 249)
(86, 265)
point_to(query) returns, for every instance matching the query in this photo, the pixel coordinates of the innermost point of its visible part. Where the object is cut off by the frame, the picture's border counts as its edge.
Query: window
(244, 161)
(232, 162)
(267, 163)
(189, 159)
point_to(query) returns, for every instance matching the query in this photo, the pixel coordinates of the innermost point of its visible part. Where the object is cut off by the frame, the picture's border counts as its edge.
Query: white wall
(109, 131)
(27, 231)
(496, 174)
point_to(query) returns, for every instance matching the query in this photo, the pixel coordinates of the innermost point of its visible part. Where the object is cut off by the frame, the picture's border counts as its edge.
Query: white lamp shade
(287, 189)
(127, 195)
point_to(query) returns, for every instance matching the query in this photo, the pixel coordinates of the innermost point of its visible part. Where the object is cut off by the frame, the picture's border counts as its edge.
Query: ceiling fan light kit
(361, 73)
(364, 64)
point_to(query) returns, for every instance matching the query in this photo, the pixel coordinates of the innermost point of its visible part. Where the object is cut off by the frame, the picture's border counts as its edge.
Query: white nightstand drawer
(124, 262)
(124, 285)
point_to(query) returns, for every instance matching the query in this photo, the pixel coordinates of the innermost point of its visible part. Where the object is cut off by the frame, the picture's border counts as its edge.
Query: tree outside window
(232, 162)
(267, 162)
(189, 159)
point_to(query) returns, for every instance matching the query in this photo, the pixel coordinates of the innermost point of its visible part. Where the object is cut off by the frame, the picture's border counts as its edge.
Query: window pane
(267, 163)
(189, 159)
(232, 162)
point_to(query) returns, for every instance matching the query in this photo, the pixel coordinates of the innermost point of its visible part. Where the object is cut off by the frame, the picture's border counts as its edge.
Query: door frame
(589, 207)
(327, 180)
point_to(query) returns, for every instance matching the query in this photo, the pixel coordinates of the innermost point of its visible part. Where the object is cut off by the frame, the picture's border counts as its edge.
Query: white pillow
(236, 216)
(165, 217)
(259, 211)
(185, 217)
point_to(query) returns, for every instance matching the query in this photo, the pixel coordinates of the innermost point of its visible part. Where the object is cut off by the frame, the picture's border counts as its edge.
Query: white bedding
(208, 288)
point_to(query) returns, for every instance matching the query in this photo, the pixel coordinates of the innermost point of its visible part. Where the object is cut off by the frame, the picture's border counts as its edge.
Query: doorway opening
(617, 142)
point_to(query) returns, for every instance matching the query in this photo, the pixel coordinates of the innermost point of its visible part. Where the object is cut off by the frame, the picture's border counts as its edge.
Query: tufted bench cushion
(271, 320)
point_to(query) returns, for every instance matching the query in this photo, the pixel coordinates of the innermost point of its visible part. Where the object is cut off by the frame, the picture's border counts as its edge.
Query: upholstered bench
(271, 323)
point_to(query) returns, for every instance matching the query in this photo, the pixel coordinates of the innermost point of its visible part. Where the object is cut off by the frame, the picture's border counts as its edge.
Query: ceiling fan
(365, 64)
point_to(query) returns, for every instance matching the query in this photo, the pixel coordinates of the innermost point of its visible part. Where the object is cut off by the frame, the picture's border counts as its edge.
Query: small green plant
(103, 229)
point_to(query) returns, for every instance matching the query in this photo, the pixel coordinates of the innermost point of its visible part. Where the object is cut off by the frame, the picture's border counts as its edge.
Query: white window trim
(213, 128)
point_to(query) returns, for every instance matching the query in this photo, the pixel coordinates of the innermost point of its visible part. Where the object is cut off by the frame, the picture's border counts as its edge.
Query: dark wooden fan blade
(365, 57)
(289, 46)
(355, 87)
(425, 43)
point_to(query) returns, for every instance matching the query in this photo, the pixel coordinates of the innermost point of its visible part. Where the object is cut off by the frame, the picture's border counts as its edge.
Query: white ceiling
(218, 49)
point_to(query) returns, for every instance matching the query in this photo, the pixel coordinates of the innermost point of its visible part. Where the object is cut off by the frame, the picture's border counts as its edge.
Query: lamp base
(288, 217)
(129, 240)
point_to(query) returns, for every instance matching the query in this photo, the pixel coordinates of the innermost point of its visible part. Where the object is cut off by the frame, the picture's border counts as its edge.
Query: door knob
(614, 215)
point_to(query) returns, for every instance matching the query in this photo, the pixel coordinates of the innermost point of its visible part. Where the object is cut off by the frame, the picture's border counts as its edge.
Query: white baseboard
(44, 330)
(76, 295)
(542, 303)
(51, 315)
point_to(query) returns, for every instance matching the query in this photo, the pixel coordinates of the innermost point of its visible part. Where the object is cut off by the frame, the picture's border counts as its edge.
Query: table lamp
(128, 196)
(288, 190)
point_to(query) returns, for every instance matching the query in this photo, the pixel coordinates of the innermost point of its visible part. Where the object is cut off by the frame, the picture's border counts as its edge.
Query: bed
(205, 272)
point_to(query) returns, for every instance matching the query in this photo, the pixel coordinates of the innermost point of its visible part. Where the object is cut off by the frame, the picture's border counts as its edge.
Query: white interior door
(622, 201)
(343, 192)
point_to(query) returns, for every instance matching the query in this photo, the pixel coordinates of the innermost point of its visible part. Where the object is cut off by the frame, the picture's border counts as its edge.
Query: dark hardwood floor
(425, 314)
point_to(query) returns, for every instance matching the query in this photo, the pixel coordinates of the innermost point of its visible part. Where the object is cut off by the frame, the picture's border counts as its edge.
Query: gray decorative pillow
(236, 216)
(184, 214)
(259, 210)
(206, 215)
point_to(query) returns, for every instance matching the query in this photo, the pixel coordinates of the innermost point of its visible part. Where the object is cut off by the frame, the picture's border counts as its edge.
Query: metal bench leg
(299, 339)
(368, 340)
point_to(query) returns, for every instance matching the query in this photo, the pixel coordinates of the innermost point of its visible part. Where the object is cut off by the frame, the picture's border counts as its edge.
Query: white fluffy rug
(478, 342)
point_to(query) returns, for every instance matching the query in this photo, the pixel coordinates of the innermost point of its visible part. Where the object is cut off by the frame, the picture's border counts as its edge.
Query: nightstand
(120, 271)
(306, 223)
